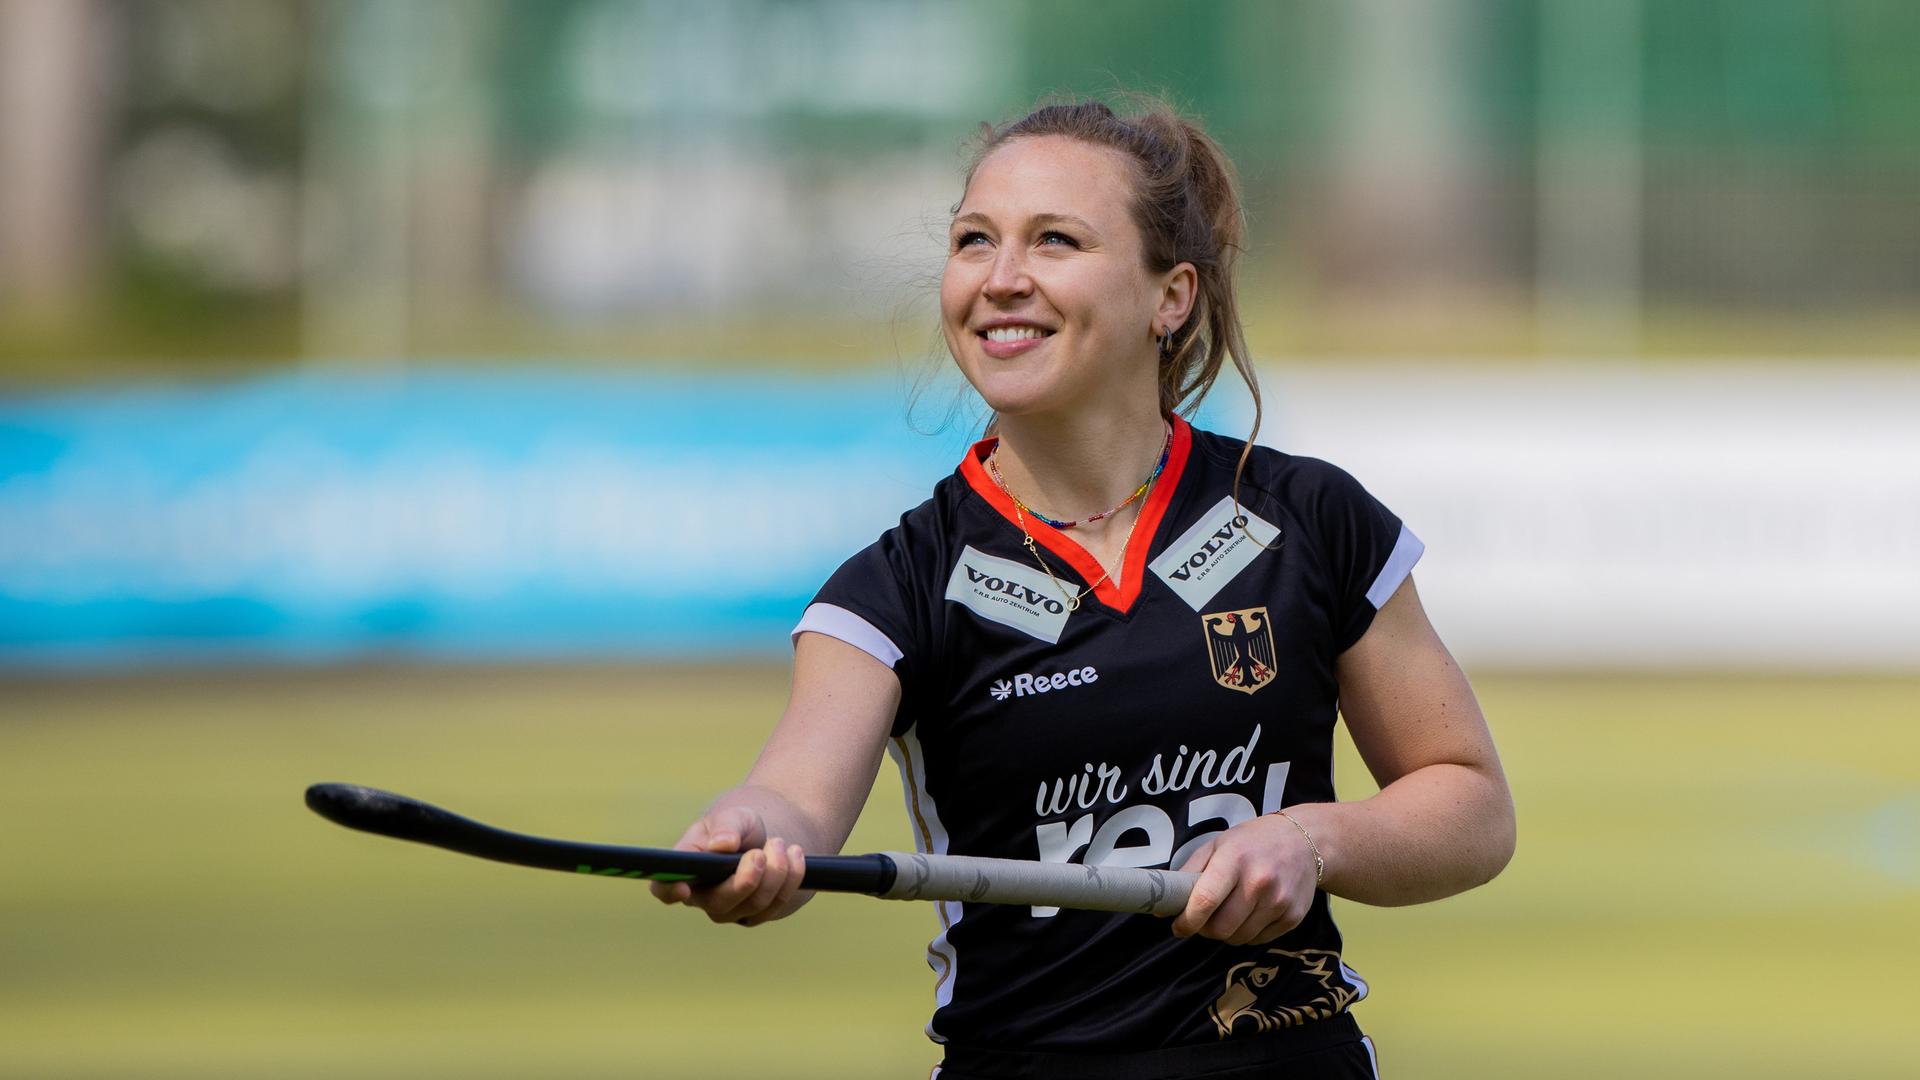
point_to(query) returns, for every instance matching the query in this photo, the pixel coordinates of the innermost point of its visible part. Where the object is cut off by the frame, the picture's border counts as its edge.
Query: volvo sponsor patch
(1008, 593)
(1200, 561)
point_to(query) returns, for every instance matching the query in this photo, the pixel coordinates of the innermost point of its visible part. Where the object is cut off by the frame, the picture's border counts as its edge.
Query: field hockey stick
(891, 875)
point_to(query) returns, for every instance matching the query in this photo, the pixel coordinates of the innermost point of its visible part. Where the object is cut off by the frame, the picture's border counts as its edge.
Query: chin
(1015, 395)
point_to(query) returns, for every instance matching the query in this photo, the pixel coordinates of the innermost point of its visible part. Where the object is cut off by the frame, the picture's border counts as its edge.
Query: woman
(1113, 639)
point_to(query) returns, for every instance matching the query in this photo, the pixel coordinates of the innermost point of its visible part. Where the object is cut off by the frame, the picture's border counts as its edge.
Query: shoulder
(877, 600)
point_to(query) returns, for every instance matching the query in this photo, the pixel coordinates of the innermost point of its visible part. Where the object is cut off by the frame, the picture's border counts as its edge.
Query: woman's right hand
(761, 890)
(810, 780)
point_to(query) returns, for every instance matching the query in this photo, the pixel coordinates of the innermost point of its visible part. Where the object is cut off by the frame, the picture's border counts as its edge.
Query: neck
(1071, 468)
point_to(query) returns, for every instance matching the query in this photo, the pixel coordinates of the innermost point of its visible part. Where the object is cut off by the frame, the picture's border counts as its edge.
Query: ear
(1178, 288)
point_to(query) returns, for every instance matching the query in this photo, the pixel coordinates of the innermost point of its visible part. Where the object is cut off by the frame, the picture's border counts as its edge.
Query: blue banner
(451, 514)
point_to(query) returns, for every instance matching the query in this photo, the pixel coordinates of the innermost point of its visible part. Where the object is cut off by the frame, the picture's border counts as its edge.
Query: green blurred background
(1719, 863)
(217, 184)
(1715, 877)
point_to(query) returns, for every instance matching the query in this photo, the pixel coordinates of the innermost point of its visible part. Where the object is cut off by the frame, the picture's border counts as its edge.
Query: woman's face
(1046, 303)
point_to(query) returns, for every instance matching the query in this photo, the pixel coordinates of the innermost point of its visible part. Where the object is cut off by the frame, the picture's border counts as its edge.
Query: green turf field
(1716, 876)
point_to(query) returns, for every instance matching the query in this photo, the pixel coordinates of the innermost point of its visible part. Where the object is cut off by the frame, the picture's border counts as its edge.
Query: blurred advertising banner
(1706, 516)
(1715, 515)
(458, 515)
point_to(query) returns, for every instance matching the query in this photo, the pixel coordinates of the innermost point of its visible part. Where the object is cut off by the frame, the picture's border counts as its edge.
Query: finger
(723, 900)
(693, 839)
(671, 892)
(771, 882)
(1231, 915)
(1212, 890)
(1285, 918)
(796, 873)
(1276, 929)
(1264, 901)
(723, 903)
(789, 885)
(1258, 923)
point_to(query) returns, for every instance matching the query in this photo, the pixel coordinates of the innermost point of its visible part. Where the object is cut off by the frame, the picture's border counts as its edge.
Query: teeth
(1014, 333)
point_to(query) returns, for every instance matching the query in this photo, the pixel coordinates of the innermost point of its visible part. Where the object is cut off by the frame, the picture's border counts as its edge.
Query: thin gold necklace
(1020, 518)
(1073, 601)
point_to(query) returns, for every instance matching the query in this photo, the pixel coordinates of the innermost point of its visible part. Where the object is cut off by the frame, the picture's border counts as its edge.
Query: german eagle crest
(1240, 647)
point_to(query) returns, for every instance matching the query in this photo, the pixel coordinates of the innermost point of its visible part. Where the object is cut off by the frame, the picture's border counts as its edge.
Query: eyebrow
(1044, 218)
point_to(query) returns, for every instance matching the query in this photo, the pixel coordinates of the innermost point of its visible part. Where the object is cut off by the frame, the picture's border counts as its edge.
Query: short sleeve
(1369, 550)
(874, 602)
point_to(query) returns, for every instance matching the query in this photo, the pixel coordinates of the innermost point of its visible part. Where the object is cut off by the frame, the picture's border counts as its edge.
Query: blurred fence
(1717, 516)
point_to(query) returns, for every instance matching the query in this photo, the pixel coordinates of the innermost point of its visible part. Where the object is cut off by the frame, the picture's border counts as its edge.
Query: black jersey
(1195, 693)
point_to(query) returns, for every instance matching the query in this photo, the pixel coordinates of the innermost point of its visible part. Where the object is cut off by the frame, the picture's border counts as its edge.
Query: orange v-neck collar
(1120, 595)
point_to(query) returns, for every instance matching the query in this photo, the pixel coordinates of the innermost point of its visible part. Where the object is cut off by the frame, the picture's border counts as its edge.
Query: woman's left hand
(1256, 883)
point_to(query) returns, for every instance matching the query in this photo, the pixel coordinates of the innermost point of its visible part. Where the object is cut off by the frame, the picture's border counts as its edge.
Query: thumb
(733, 829)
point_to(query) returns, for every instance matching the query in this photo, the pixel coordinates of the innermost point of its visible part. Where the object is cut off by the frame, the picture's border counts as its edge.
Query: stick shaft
(893, 875)
(1060, 885)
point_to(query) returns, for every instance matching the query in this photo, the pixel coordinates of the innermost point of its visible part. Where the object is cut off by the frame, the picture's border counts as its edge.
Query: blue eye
(967, 238)
(1060, 236)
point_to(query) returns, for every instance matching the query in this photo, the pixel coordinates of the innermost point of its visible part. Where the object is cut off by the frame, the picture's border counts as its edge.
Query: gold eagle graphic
(1240, 1002)
(1240, 647)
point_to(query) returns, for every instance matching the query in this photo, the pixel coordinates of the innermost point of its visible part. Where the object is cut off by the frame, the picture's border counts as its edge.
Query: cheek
(956, 292)
(955, 304)
(1104, 306)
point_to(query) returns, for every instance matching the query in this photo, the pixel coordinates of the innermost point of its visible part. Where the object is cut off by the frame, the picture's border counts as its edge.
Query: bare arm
(1443, 819)
(804, 791)
(1441, 823)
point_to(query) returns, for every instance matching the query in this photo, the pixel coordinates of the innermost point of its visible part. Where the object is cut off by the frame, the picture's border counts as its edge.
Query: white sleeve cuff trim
(838, 622)
(1406, 551)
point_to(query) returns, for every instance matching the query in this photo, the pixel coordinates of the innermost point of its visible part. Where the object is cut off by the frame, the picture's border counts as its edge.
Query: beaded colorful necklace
(1020, 510)
(993, 467)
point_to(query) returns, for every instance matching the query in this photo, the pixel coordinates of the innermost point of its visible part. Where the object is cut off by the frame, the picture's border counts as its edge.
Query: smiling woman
(1152, 627)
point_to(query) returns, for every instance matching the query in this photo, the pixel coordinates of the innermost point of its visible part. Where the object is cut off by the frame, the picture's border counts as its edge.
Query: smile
(1007, 342)
(1014, 333)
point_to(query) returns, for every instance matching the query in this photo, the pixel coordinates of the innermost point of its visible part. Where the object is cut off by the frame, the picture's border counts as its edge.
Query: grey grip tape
(1041, 884)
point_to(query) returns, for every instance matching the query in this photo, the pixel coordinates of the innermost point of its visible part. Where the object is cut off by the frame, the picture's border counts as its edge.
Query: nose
(1008, 278)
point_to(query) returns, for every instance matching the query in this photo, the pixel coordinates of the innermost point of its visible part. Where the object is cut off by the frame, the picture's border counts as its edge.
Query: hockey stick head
(398, 817)
(382, 812)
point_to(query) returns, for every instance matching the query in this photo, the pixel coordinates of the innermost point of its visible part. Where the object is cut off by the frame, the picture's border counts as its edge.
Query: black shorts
(1328, 1050)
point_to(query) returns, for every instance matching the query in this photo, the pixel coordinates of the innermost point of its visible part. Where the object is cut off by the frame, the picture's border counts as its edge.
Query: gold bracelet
(1319, 864)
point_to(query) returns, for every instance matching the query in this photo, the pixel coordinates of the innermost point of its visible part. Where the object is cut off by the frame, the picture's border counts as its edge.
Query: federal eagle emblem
(1240, 647)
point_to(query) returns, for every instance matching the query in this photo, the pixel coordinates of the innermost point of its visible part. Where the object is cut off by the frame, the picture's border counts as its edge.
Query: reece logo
(1008, 593)
(1024, 684)
(1200, 561)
